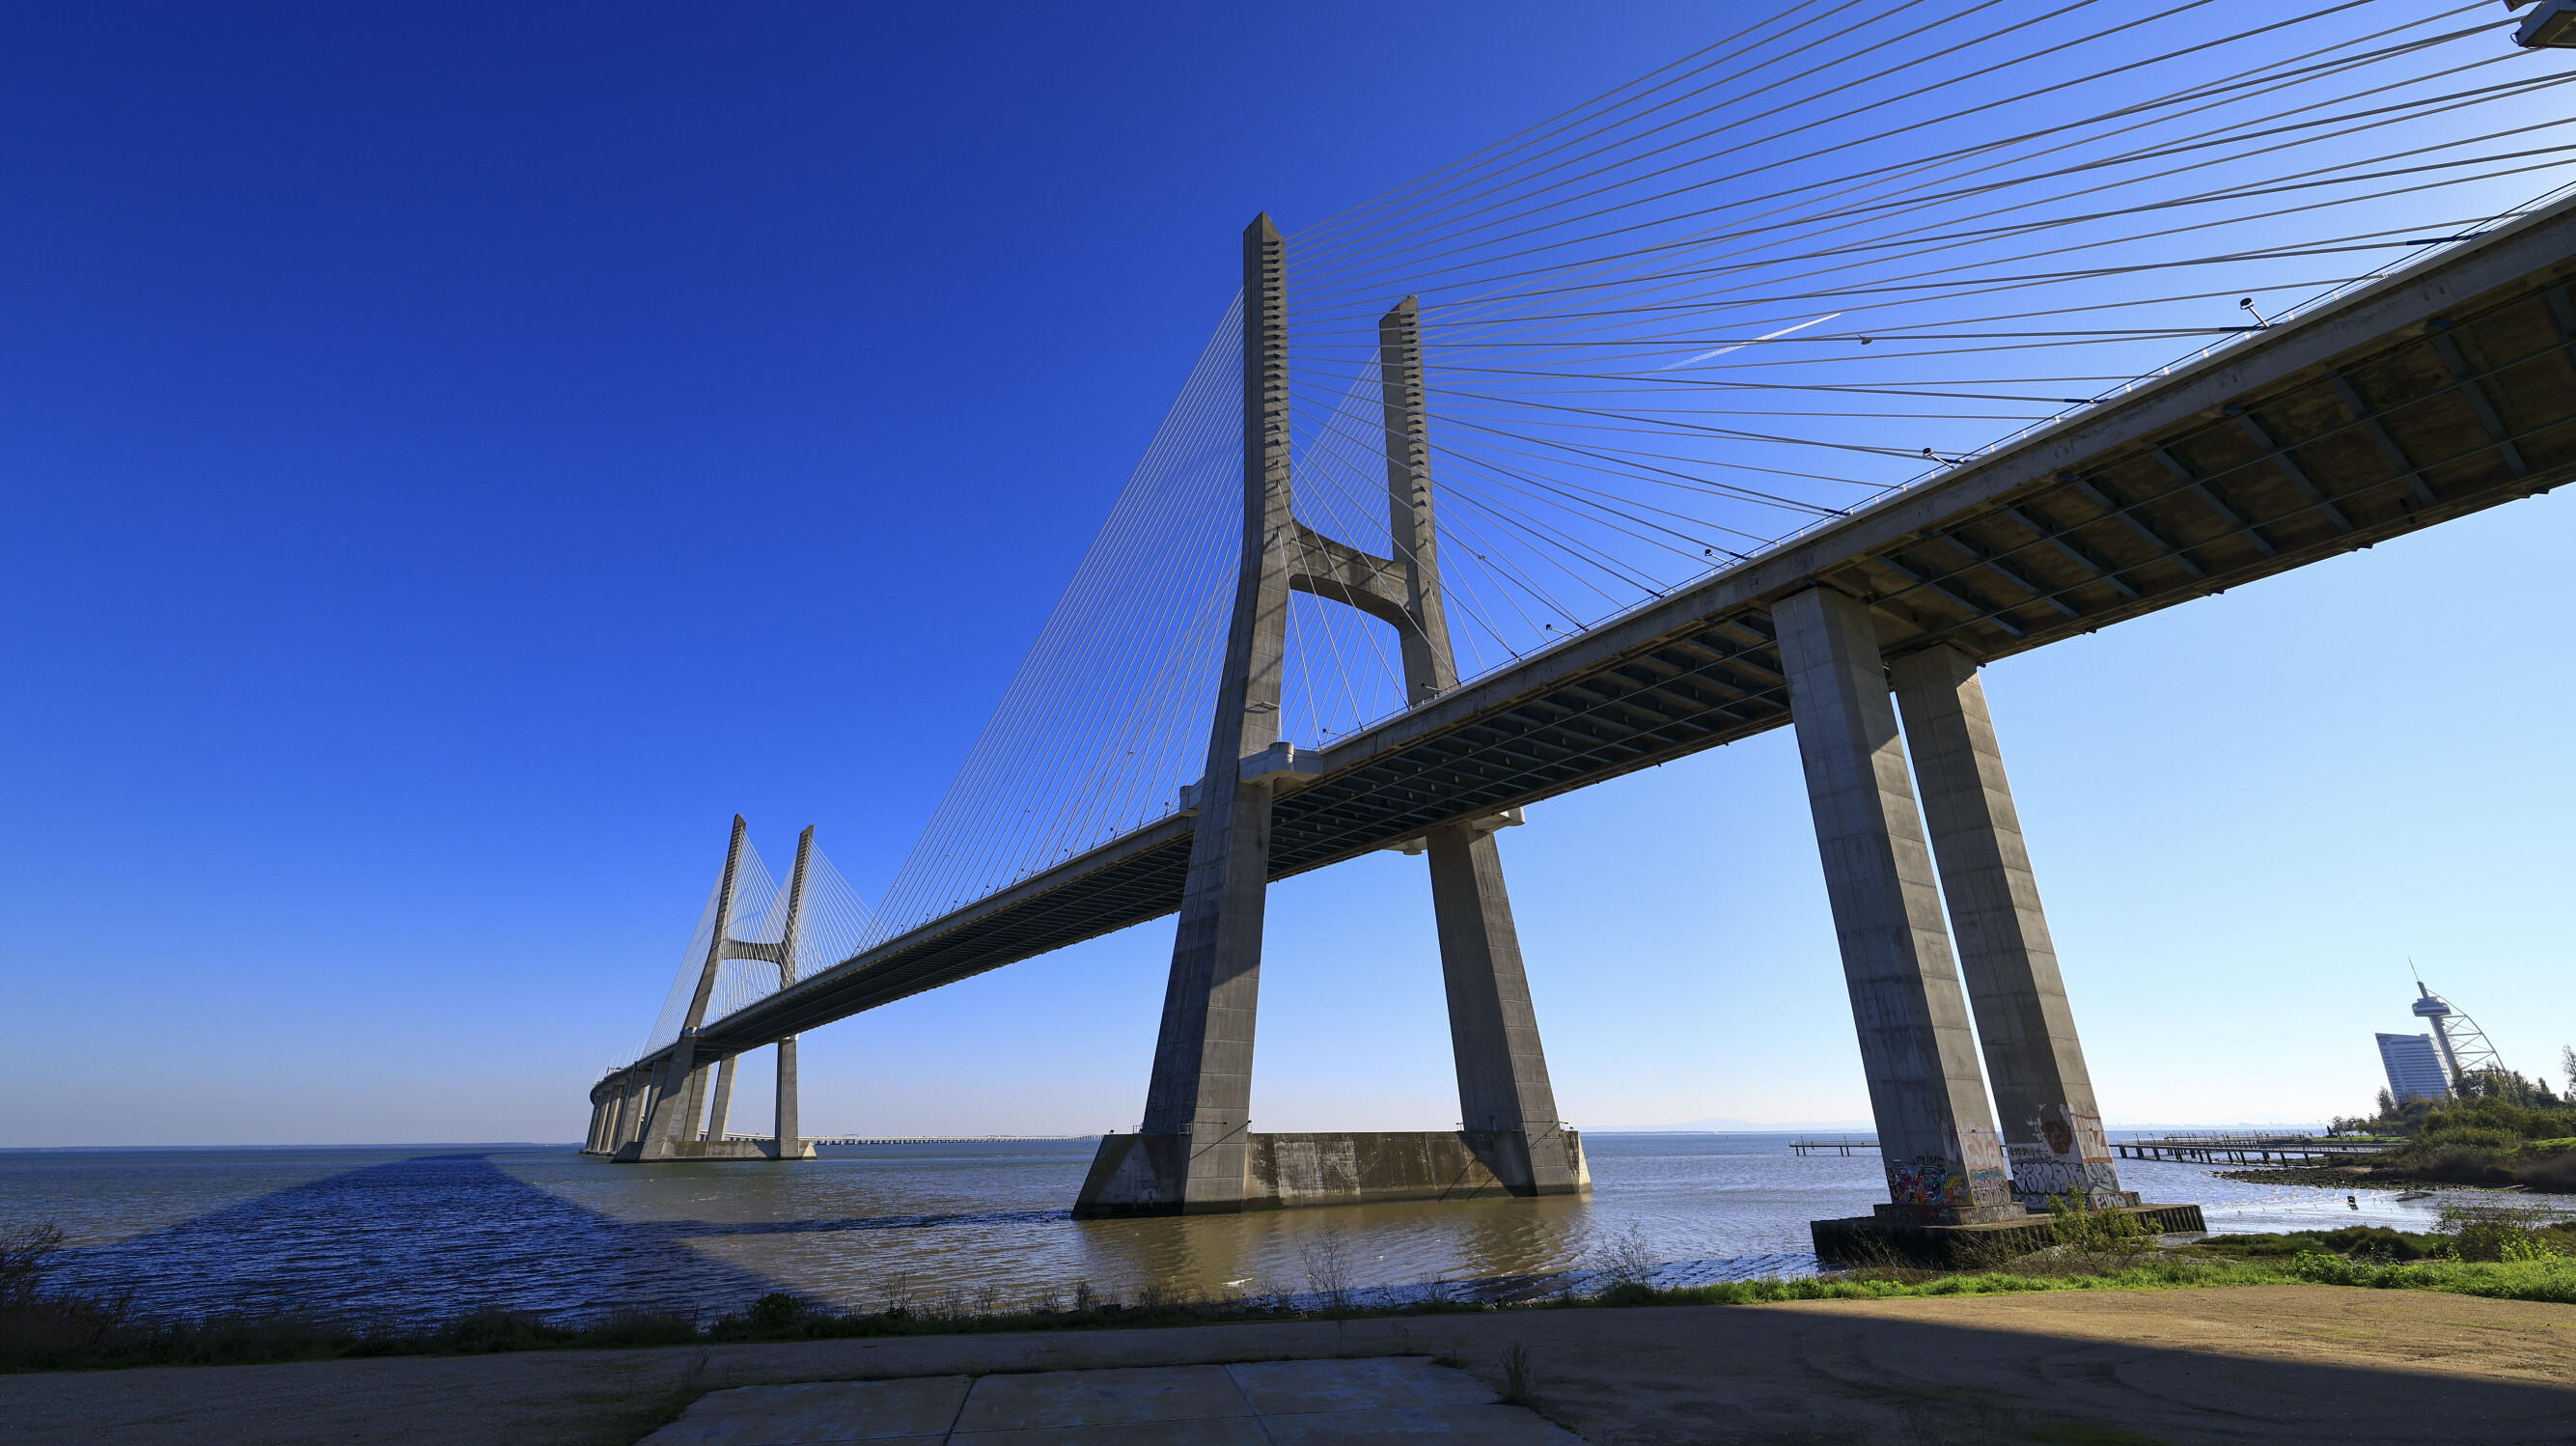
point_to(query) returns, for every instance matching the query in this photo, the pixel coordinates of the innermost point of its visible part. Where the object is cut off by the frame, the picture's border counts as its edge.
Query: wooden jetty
(2226, 1149)
(1831, 1147)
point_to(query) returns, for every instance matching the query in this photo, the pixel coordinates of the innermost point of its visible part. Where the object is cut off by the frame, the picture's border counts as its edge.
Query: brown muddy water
(389, 1234)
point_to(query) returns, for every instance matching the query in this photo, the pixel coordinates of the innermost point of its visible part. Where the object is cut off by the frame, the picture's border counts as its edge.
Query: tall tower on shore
(2463, 1046)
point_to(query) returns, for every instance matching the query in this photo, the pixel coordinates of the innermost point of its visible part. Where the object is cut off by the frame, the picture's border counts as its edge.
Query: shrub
(2097, 1232)
(2464, 1164)
(2504, 1233)
(2557, 1173)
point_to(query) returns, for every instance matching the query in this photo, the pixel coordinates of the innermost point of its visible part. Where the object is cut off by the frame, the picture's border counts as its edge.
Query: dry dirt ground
(2289, 1363)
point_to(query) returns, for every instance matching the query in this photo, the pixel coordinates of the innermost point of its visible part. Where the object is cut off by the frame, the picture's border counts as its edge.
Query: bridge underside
(2439, 392)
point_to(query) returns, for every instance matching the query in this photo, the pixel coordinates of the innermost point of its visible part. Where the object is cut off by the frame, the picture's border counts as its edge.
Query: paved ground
(2264, 1364)
(1267, 1403)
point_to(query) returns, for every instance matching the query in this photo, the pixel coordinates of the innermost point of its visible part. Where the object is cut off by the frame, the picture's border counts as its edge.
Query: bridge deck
(2445, 389)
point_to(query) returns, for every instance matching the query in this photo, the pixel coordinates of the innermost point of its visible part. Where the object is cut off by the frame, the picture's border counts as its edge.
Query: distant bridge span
(2442, 390)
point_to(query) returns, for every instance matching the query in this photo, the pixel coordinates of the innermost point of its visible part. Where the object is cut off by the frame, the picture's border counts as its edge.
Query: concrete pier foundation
(2052, 1129)
(1284, 1172)
(1945, 1162)
(1872, 1240)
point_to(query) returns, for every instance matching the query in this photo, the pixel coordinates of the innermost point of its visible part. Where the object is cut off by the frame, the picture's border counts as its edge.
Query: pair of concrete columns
(1193, 1152)
(1947, 1163)
(624, 1107)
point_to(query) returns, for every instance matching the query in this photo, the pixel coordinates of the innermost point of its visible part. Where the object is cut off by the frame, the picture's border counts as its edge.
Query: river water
(406, 1235)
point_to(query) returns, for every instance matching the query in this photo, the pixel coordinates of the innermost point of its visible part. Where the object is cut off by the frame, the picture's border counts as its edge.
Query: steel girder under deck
(2440, 391)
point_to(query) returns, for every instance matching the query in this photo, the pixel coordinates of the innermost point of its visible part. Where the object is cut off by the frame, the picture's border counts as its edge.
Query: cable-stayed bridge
(1608, 444)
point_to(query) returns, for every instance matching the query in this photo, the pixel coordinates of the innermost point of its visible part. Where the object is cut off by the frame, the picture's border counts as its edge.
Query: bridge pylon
(1196, 1152)
(658, 1108)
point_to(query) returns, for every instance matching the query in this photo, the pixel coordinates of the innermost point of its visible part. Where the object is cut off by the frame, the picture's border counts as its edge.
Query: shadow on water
(411, 1236)
(411, 1242)
(705, 1228)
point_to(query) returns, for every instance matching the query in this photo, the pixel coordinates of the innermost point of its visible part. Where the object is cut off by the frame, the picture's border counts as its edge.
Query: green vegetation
(2505, 1131)
(2501, 1252)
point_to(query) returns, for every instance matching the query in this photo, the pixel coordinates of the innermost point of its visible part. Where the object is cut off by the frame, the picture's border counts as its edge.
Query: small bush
(2089, 1231)
(2556, 1174)
(2462, 1164)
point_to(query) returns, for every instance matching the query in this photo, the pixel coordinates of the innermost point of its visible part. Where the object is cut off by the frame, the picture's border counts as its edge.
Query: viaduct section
(2441, 390)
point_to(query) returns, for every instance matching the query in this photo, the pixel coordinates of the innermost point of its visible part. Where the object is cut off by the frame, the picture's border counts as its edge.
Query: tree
(2499, 1083)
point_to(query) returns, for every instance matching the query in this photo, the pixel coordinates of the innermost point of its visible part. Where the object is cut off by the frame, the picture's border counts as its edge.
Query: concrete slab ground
(2267, 1364)
(1343, 1402)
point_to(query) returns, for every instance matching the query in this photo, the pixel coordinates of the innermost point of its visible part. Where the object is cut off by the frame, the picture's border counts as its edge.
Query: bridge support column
(2052, 1129)
(693, 1104)
(622, 1113)
(623, 1128)
(639, 1100)
(603, 1125)
(1191, 1155)
(1945, 1163)
(723, 1108)
(1504, 1096)
(785, 1142)
(666, 1114)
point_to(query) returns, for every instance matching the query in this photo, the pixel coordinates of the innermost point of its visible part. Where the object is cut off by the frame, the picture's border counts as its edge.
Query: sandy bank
(2263, 1363)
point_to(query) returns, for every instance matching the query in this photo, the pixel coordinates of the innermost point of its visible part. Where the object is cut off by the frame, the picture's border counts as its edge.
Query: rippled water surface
(418, 1233)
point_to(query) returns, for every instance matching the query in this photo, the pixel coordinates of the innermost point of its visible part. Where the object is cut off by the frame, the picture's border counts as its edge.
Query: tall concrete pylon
(1503, 1087)
(675, 1123)
(672, 1119)
(1198, 1105)
(2052, 1128)
(1193, 1152)
(1945, 1162)
(785, 1143)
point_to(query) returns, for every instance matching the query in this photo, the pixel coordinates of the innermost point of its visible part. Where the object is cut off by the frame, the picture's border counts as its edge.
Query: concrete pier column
(786, 1142)
(654, 1111)
(723, 1107)
(622, 1110)
(693, 1105)
(1945, 1163)
(1190, 1156)
(2052, 1129)
(1505, 1100)
(630, 1110)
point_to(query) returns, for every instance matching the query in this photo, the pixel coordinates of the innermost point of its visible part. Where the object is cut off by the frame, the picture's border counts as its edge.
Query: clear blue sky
(455, 459)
